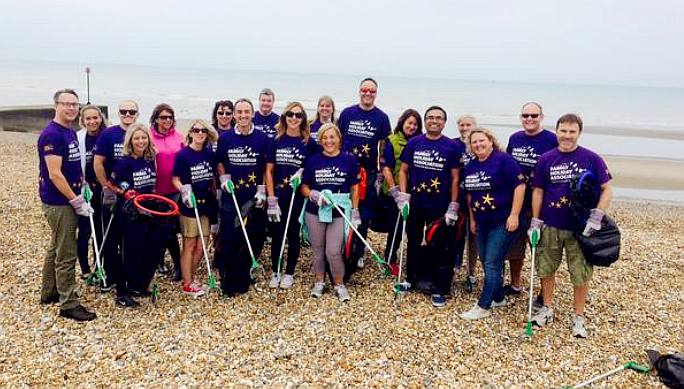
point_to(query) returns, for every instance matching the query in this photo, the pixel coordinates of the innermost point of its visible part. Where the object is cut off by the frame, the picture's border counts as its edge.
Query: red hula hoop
(151, 196)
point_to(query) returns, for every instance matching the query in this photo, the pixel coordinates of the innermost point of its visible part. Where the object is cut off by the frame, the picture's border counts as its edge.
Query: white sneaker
(342, 293)
(360, 263)
(579, 328)
(476, 313)
(275, 280)
(318, 289)
(543, 317)
(499, 304)
(199, 285)
(287, 281)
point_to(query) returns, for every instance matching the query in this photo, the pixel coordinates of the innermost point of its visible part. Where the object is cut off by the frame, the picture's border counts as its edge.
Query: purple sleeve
(512, 172)
(355, 169)
(539, 179)
(179, 165)
(407, 154)
(343, 121)
(102, 145)
(271, 152)
(388, 156)
(386, 127)
(53, 144)
(601, 170)
(307, 175)
(459, 150)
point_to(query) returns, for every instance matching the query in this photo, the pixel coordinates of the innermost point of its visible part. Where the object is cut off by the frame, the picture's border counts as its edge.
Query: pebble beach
(371, 341)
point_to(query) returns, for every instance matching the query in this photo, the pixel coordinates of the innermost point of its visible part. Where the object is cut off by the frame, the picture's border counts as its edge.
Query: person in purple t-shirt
(365, 129)
(241, 163)
(265, 119)
(93, 122)
(193, 175)
(143, 240)
(526, 146)
(284, 164)
(495, 191)
(108, 150)
(428, 181)
(222, 117)
(60, 179)
(325, 113)
(552, 217)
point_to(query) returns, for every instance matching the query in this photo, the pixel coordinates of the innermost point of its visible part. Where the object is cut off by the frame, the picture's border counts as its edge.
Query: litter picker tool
(124, 185)
(212, 280)
(401, 287)
(256, 266)
(631, 365)
(99, 273)
(394, 236)
(382, 264)
(282, 244)
(534, 240)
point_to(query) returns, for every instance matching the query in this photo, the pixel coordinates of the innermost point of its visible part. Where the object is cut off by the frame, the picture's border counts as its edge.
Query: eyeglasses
(224, 113)
(198, 130)
(68, 104)
(165, 117)
(298, 115)
(129, 112)
(437, 118)
(529, 115)
(368, 91)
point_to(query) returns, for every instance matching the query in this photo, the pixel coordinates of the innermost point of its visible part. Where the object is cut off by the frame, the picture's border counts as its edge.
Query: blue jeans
(492, 244)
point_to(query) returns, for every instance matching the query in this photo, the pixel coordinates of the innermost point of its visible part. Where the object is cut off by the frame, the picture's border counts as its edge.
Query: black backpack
(670, 368)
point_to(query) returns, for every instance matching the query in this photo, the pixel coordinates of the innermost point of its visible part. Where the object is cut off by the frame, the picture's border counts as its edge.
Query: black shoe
(138, 293)
(177, 276)
(509, 290)
(49, 300)
(538, 303)
(127, 302)
(78, 313)
(106, 289)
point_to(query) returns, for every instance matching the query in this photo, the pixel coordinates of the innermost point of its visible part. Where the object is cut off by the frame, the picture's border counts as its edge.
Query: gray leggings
(326, 243)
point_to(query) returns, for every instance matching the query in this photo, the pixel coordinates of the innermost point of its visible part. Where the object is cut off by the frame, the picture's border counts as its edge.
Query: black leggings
(278, 230)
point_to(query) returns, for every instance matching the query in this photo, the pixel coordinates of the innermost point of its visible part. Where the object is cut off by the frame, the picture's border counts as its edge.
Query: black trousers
(112, 253)
(278, 231)
(143, 249)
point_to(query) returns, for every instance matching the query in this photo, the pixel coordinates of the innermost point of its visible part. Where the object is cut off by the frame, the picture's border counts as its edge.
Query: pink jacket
(167, 147)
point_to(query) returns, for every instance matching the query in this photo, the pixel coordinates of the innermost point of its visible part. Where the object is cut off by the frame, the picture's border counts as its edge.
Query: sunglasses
(368, 91)
(224, 113)
(129, 112)
(298, 115)
(529, 115)
(165, 117)
(198, 130)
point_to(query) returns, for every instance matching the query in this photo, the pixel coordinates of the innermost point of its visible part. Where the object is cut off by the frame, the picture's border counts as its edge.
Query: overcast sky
(622, 42)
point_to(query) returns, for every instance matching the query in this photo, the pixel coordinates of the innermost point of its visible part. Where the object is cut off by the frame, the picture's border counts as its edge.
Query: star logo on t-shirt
(241, 182)
(252, 177)
(563, 200)
(487, 199)
(366, 149)
(435, 182)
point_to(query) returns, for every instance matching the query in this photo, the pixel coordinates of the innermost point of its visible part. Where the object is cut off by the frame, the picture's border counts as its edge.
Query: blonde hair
(329, 127)
(304, 129)
(330, 100)
(104, 124)
(467, 117)
(212, 135)
(150, 152)
(488, 134)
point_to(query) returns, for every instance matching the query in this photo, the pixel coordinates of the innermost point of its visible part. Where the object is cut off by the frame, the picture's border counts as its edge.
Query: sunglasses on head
(529, 115)
(298, 115)
(198, 130)
(129, 112)
(165, 117)
(224, 113)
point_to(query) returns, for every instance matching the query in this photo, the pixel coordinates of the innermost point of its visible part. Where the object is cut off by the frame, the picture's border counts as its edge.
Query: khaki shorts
(189, 228)
(550, 255)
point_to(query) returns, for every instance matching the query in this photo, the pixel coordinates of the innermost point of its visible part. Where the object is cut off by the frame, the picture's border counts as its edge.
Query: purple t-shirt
(60, 141)
(314, 127)
(266, 123)
(361, 131)
(337, 174)
(244, 158)
(526, 150)
(197, 169)
(429, 176)
(110, 145)
(388, 159)
(288, 154)
(466, 156)
(139, 173)
(490, 184)
(553, 173)
(90, 141)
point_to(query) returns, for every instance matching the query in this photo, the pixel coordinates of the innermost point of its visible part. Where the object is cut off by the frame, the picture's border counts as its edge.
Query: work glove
(273, 210)
(296, 179)
(108, 197)
(318, 198)
(536, 226)
(379, 179)
(403, 199)
(394, 192)
(594, 222)
(260, 196)
(81, 207)
(186, 195)
(226, 183)
(356, 217)
(451, 215)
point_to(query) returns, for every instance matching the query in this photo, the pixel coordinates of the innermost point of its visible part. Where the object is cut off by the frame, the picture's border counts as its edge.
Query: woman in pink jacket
(168, 143)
